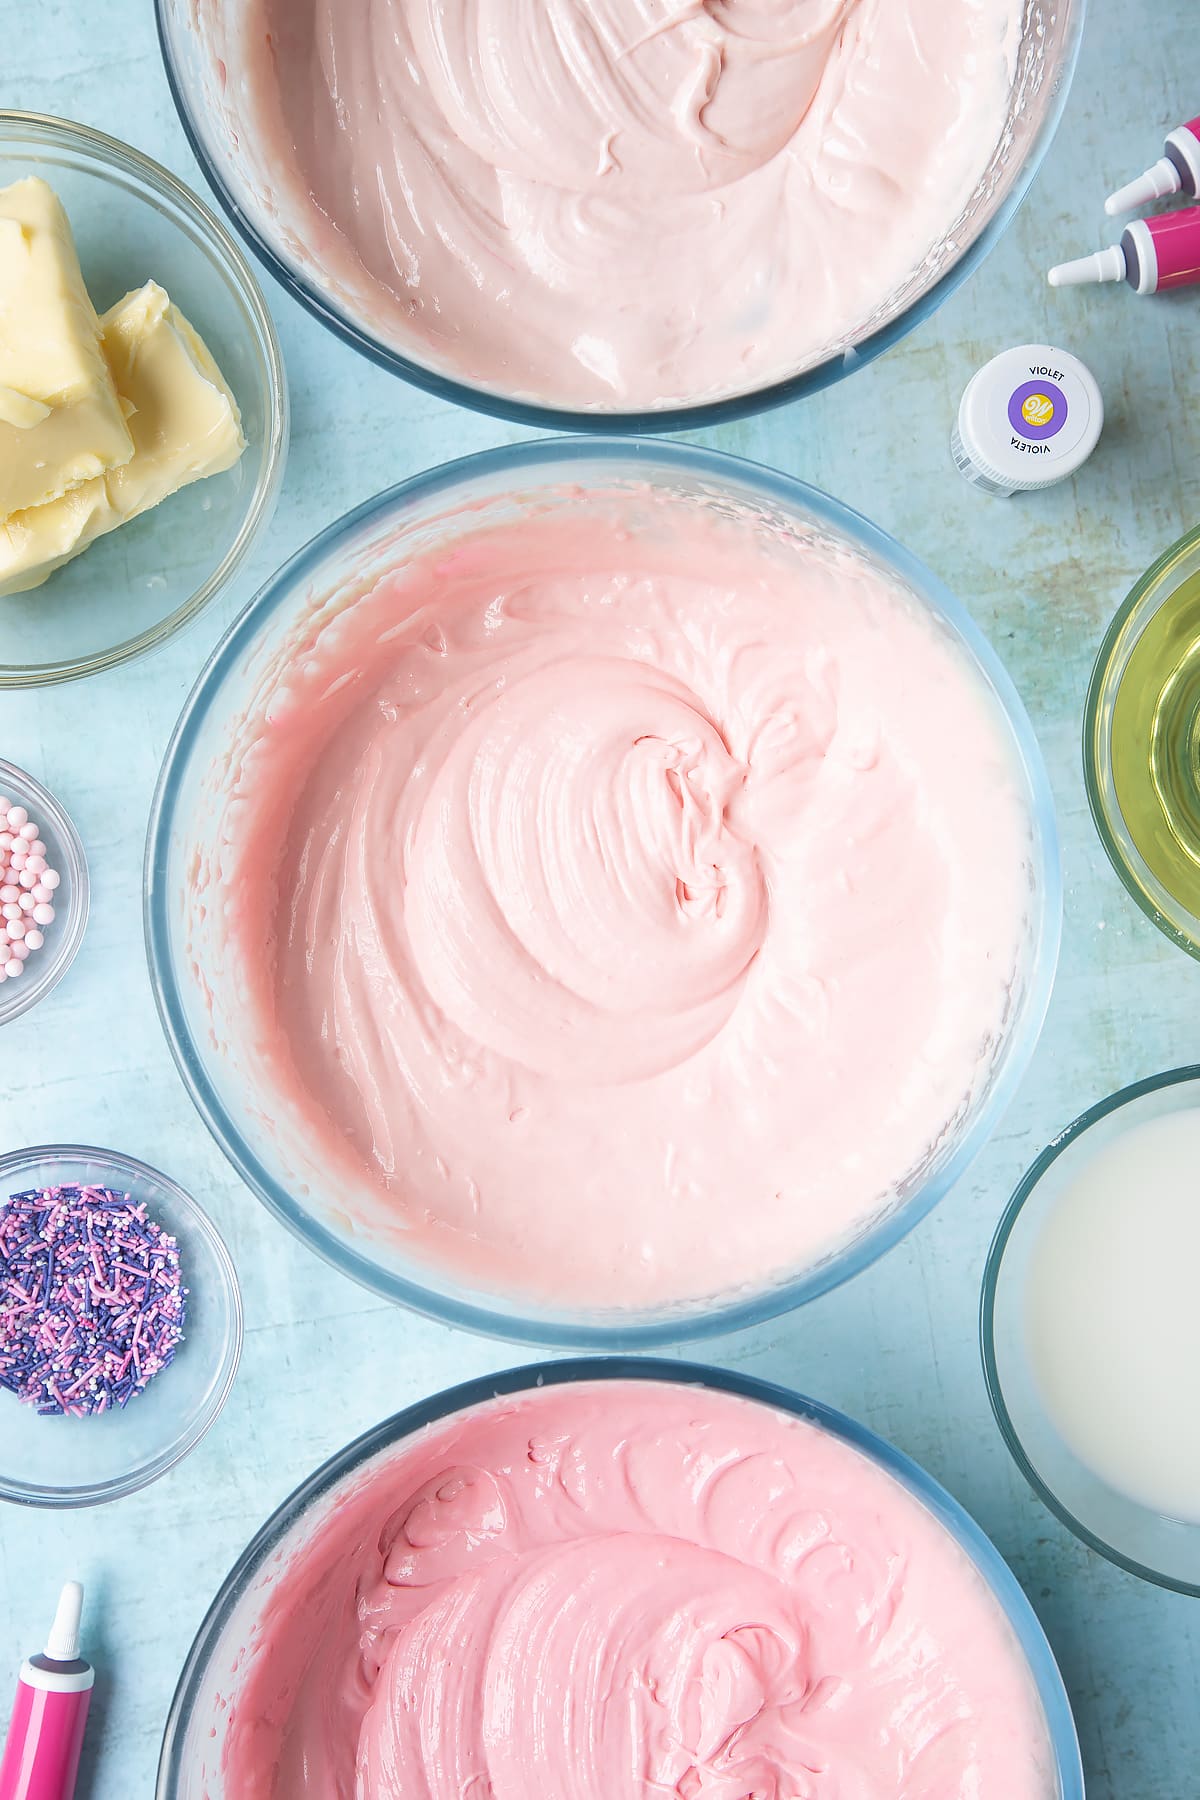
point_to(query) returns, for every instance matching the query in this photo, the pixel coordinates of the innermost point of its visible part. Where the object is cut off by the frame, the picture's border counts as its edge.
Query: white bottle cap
(1028, 418)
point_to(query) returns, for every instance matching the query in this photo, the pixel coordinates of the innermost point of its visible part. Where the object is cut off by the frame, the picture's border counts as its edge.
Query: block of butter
(184, 423)
(61, 421)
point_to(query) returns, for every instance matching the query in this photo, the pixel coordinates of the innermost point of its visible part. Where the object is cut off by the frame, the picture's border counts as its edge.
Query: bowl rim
(556, 457)
(110, 153)
(1109, 820)
(64, 952)
(992, 1276)
(93, 1494)
(953, 1517)
(667, 419)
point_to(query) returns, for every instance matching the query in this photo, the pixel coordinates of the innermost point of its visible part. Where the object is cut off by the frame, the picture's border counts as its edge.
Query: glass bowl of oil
(1141, 742)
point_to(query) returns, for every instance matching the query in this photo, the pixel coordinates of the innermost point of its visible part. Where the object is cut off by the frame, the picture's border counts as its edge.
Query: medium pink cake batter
(630, 1590)
(619, 918)
(619, 203)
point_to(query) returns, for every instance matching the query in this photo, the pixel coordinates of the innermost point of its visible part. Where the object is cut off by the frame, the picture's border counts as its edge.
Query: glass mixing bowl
(202, 72)
(1165, 1551)
(201, 1012)
(134, 222)
(1156, 850)
(190, 1763)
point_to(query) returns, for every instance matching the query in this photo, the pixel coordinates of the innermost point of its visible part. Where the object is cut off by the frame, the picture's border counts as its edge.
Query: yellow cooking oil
(1155, 744)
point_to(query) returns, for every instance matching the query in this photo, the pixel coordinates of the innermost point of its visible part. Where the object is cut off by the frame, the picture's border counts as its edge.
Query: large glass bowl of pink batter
(207, 77)
(205, 1018)
(216, 1676)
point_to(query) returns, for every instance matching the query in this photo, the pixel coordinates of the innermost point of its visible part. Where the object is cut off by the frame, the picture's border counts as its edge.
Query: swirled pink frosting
(629, 1591)
(622, 916)
(620, 203)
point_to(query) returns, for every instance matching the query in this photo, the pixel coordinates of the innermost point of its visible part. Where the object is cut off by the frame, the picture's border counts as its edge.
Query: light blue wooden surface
(897, 1348)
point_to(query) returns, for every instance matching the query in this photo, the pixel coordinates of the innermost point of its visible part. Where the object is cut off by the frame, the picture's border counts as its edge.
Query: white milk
(1114, 1314)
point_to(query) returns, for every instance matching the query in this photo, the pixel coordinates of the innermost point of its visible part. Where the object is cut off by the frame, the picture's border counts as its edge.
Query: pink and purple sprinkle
(92, 1305)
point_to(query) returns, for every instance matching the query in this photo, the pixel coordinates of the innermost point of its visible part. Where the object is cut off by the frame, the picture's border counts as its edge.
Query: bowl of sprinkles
(120, 1325)
(43, 892)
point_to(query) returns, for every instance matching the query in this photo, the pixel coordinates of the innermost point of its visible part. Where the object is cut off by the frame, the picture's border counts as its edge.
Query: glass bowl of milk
(1091, 1332)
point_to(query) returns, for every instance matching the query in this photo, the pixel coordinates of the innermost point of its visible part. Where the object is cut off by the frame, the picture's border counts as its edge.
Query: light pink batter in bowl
(632, 211)
(619, 1581)
(614, 899)
(622, 204)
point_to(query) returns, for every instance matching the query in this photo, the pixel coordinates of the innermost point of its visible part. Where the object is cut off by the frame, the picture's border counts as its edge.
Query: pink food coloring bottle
(1177, 171)
(54, 1691)
(1156, 253)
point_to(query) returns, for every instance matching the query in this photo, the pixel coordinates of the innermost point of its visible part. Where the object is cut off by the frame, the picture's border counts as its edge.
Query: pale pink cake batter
(618, 203)
(629, 1591)
(621, 918)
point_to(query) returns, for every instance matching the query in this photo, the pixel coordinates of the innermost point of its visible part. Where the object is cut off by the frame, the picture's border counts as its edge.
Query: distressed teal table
(897, 1348)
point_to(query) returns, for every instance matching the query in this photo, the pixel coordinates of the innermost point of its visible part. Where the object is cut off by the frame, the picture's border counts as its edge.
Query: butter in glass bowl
(144, 241)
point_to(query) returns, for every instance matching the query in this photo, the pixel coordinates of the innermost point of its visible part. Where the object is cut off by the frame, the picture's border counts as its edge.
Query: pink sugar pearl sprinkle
(27, 889)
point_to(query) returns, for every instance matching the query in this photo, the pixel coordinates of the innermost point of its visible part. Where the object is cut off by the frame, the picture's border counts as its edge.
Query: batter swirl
(623, 917)
(620, 203)
(630, 1591)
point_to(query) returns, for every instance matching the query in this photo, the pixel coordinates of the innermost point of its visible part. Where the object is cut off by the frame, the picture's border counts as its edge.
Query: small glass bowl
(133, 221)
(1145, 600)
(64, 852)
(1165, 1551)
(190, 1763)
(205, 68)
(61, 1462)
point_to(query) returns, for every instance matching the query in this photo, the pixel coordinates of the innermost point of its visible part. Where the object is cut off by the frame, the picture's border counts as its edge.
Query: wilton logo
(1037, 409)
(1037, 412)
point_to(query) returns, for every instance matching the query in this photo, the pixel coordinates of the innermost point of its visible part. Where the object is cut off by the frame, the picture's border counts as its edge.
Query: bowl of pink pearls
(43, 892)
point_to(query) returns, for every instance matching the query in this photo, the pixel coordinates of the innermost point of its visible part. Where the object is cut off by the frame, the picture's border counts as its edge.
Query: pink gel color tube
(1175, 238)
(54, 1691)
(1156, 253)
(1177, 171)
